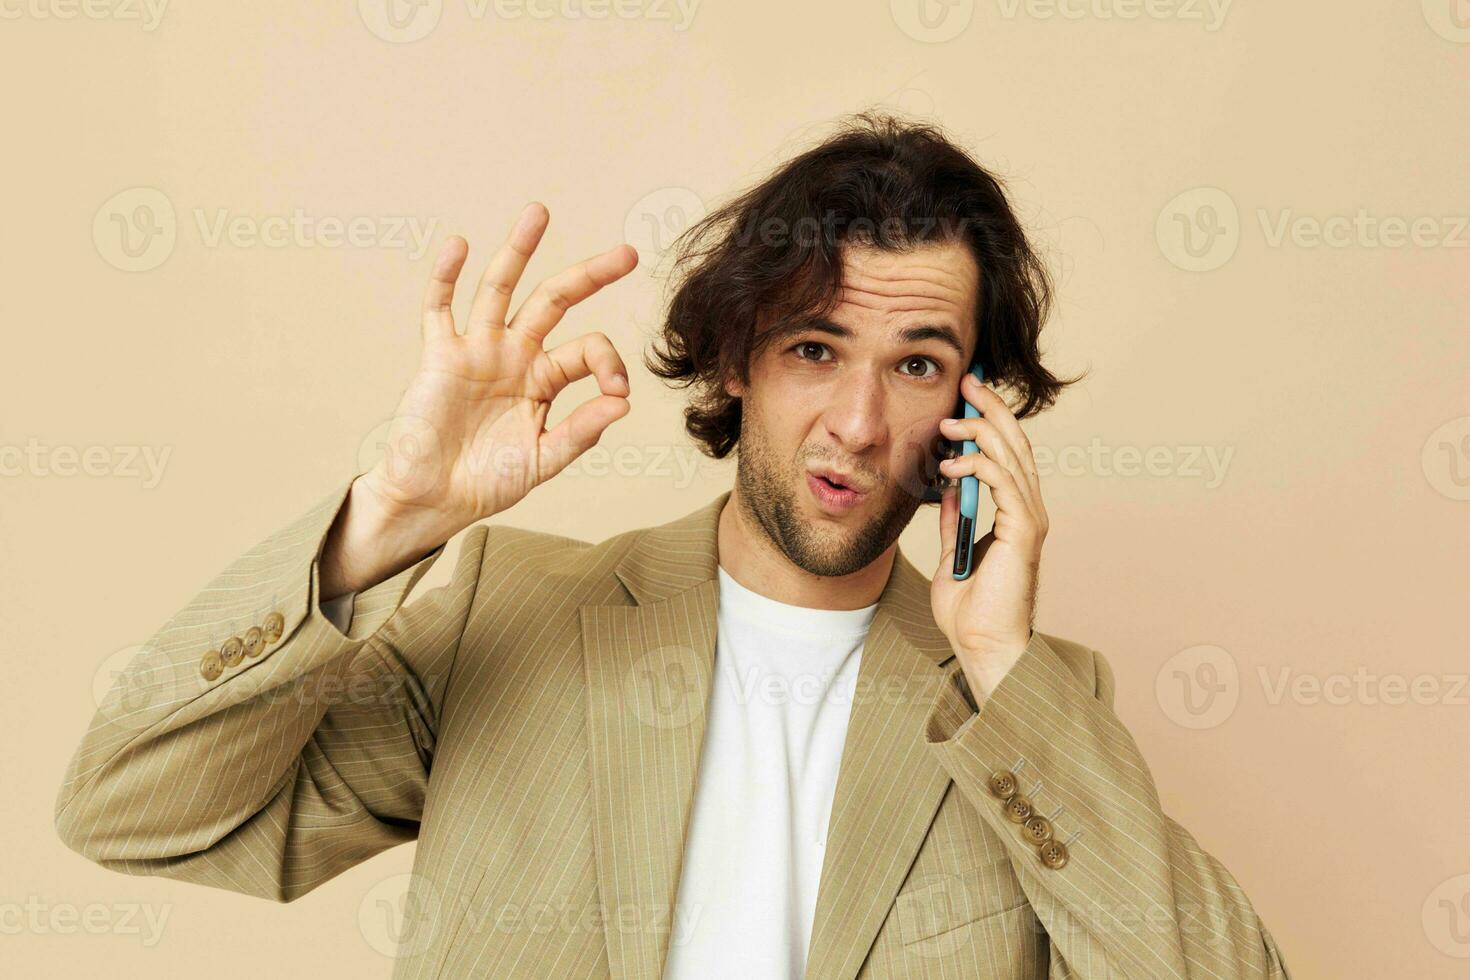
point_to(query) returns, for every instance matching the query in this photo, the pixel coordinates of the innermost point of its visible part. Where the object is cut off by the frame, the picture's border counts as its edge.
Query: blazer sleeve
(251, 744)
(1135, 895)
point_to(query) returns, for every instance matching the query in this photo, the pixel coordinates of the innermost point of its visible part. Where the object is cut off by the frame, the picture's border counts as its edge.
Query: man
(751, 742)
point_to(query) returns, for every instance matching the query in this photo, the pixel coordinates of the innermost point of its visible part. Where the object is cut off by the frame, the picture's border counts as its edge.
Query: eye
(919, 359)
(807, 343)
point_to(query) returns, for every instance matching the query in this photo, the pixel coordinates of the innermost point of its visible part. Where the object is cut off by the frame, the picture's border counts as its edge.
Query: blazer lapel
(888, 787)
(649, 668)
(648, 679)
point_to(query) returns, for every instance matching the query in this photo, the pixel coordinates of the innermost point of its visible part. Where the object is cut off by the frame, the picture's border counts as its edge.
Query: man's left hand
(987, 617)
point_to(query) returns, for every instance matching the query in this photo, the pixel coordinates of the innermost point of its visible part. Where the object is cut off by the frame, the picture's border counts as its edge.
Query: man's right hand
(468, 439)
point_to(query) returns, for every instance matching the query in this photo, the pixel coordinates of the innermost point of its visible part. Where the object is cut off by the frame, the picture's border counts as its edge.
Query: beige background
(1326, 547)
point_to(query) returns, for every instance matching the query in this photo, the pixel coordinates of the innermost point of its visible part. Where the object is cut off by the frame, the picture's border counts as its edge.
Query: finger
(995, 410)
(438, 318)
(545, 306)
(590, 354)
(577, 433)
(492, 296)
(1009, 501)
(987, 437)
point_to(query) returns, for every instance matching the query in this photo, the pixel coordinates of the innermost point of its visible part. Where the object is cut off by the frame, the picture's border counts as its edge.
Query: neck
(748, 555)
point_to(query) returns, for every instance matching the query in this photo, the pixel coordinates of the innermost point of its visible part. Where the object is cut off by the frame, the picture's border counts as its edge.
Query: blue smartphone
(969, 495)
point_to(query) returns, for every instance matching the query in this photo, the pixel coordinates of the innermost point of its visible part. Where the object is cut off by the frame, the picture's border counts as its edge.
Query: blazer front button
(254, 641)
(275, 623)
(1018, 808)
(1054, 854)
(1038, 829)
(210, 665)
(231, 651)
(1002, 784)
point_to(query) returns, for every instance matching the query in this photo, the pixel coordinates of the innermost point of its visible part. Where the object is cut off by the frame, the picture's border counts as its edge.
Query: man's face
(860, 393)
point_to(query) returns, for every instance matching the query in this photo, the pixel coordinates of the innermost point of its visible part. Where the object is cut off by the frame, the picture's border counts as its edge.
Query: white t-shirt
(780, 697)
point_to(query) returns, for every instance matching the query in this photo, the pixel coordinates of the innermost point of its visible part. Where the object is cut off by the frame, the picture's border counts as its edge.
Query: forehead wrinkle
(861, 290)
(885, 298)
(904, 279)
(935, 307)
(883, 301)
(885, 283)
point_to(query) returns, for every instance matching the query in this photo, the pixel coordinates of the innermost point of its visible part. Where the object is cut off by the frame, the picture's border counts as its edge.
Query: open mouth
(831, 494)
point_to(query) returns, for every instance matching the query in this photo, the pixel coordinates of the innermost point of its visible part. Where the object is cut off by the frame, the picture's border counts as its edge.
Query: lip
(830, 498)
(838, 476)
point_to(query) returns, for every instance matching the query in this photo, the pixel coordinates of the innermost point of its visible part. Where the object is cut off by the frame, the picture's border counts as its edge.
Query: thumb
(577, 433)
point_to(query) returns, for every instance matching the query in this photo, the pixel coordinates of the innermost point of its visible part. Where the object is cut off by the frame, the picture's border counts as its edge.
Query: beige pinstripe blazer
(535, 726)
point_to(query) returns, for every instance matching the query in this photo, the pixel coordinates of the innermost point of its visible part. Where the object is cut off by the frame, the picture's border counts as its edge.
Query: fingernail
(620, 379)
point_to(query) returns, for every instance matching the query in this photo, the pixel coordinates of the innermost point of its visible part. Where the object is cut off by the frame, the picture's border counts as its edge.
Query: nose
(855, 416)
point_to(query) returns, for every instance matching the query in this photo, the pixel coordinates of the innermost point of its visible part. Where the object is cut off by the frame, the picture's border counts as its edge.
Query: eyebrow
(909, 335)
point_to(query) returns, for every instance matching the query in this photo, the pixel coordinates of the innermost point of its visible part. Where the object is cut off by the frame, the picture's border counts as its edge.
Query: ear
(734, 388)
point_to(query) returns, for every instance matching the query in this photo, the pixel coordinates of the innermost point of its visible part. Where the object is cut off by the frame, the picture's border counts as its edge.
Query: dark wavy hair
(775, 253)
